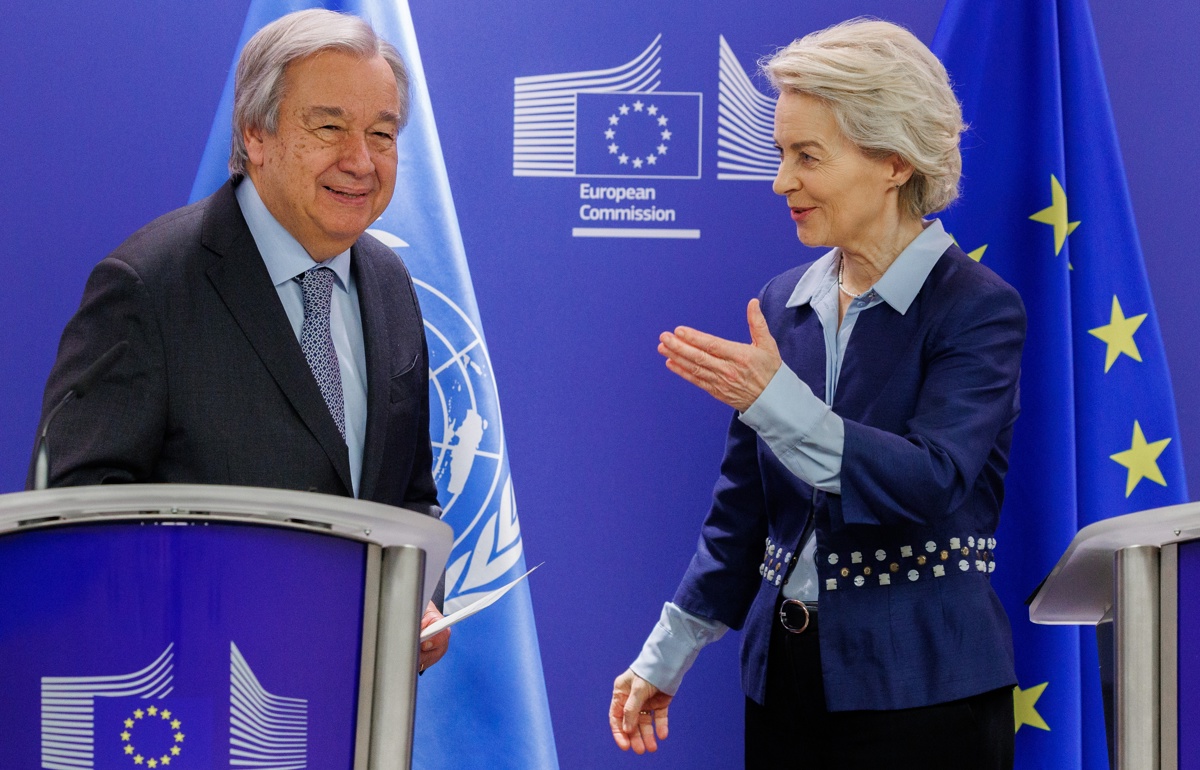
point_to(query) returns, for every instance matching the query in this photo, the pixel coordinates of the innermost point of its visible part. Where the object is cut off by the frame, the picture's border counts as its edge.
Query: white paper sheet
(484, 602)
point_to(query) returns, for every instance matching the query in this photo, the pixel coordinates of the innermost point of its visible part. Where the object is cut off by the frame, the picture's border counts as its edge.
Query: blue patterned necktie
(317, 342)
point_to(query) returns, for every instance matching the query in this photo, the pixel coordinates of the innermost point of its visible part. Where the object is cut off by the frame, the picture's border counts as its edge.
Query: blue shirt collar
(284, 256)
(900, 283)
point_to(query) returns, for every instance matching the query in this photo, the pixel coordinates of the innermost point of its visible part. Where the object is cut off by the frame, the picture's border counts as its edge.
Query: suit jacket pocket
(406, 384)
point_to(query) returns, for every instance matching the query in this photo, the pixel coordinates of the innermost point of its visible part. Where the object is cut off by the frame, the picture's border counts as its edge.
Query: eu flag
(652, 134)
(484, 705)
(174, 730)
(1046, 206)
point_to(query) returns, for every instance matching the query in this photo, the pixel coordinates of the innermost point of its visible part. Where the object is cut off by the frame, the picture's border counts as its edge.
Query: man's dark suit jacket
(904, 554)
(214, 388)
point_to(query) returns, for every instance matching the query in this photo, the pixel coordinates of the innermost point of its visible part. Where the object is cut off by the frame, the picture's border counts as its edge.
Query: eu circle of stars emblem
(156, 729)
(657, 131)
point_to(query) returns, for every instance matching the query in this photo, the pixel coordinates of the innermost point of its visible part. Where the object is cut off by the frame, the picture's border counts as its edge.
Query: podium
(196, 626)
(1141, 572)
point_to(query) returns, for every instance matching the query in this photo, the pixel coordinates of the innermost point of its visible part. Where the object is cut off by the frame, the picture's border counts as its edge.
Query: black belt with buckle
(796, 616)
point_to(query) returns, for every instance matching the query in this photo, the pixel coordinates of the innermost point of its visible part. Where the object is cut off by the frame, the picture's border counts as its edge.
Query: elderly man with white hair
(852, 530)
(271, 342)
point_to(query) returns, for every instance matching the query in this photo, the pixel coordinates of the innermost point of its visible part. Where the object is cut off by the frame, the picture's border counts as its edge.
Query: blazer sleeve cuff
(801, 430)
(673, 645)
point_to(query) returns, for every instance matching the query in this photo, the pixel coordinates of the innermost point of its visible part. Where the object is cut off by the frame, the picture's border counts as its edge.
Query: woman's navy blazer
(906, 551)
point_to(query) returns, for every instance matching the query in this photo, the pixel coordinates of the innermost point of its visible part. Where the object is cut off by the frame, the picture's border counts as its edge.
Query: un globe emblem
(470, 464)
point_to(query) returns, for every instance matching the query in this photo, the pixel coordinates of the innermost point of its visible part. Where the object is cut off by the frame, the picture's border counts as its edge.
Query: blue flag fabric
(1045, 205)
(484, 705)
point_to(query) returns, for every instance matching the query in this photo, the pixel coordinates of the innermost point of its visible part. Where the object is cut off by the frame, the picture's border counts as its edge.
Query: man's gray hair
(889, 94)
(258, 85)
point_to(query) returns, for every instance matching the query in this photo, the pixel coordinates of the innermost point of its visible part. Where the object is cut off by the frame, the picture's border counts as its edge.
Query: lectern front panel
(1188, 654)
(164, 644)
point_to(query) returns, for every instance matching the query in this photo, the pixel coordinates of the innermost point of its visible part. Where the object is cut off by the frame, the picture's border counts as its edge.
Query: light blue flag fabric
(484, 705)
(1045, 205)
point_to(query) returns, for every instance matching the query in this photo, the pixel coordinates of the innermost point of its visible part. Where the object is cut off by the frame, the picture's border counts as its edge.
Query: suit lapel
(882, 340)
(801, 340)
(378, 342)
(242, 281)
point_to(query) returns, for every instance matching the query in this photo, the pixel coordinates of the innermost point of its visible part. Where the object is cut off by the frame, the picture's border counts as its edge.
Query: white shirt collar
(901, 282)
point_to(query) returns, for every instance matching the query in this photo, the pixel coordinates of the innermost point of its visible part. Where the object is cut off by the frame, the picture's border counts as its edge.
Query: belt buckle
(783, 621)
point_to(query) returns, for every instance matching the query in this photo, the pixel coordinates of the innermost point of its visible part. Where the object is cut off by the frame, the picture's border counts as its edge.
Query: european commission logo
(607, 123)
(137, 720)
(616, 123)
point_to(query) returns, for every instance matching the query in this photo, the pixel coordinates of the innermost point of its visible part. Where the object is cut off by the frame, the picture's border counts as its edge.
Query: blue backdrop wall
(108, 107)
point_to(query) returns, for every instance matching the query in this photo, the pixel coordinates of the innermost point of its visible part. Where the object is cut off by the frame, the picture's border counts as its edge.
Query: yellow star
(174, 751)
(128, 749)
(125, 736)
(166, 713)
(153, 763)
(175, 723)
(164, 760)
(1141, 459)
(138, 759)
(129, 723)
(1024, 702)
(138, 714)
(1119, 335)
(1055, 215)
(152, 711)
(179, 737)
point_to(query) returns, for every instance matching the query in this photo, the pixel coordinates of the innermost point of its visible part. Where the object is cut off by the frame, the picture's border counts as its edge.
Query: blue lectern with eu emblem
(183, 626)
(1137, 579)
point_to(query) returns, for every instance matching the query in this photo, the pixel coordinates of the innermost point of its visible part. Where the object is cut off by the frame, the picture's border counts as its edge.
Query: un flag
(495, 668)
(652, 135)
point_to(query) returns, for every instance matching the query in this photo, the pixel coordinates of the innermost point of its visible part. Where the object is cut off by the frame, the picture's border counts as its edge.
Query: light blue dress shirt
(285, 259)
(802, 431)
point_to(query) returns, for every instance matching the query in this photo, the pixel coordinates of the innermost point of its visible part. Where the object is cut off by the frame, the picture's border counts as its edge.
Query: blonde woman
(851, 534)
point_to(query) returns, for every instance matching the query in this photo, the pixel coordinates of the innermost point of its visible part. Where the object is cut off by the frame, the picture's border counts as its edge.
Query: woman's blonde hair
(889, 94)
